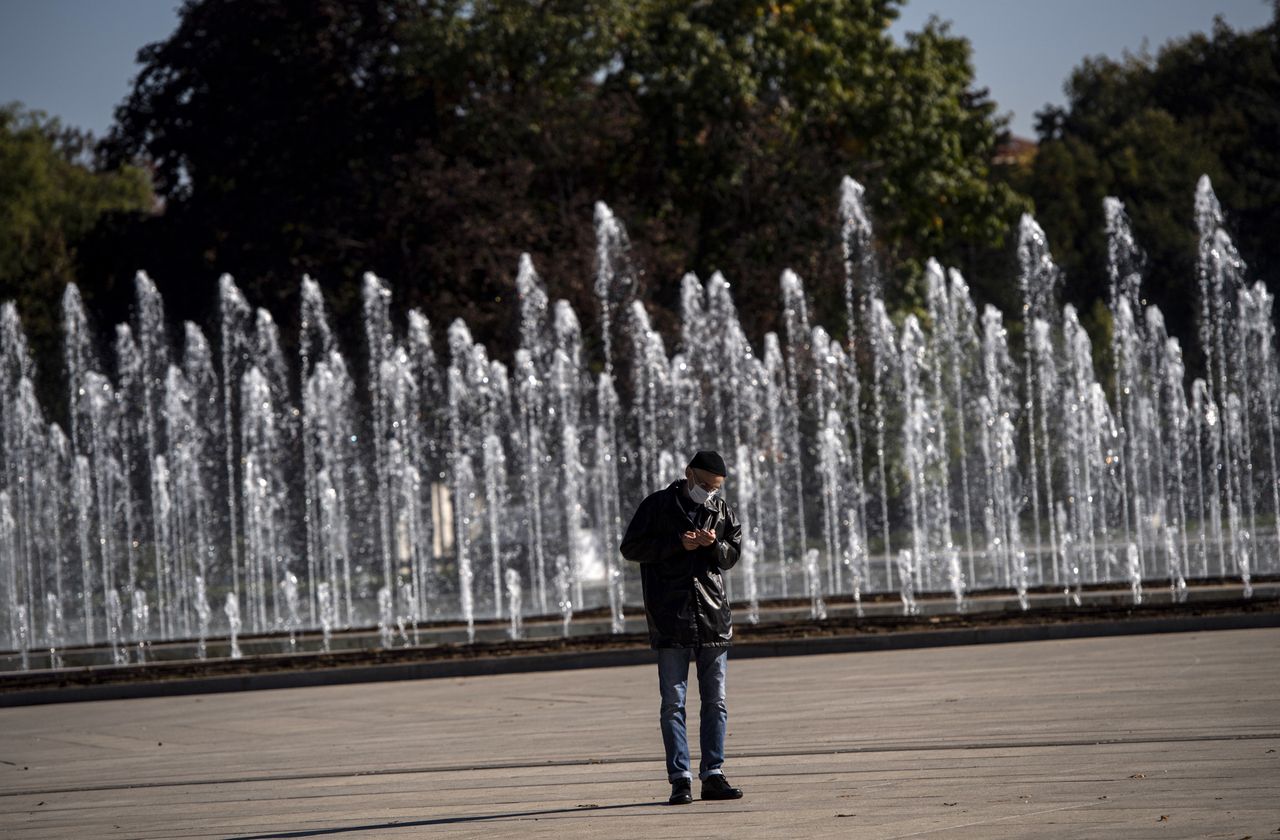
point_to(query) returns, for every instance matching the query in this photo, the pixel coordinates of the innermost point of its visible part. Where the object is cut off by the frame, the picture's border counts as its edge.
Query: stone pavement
(1174, 735)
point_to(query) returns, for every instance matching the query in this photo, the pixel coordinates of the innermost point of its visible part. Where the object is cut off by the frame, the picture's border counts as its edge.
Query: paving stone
(1171, 735)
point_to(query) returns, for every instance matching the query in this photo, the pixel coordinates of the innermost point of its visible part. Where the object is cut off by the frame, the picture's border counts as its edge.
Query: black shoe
(717, 787)
(681, 792)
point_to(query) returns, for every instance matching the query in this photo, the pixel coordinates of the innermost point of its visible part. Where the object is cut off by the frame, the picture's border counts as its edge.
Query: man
(685, 538)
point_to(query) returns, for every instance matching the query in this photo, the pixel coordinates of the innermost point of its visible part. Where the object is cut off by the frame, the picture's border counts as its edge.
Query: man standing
(685, 538)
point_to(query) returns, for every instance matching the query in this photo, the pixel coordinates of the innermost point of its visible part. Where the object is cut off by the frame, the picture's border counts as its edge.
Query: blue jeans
(673, 679)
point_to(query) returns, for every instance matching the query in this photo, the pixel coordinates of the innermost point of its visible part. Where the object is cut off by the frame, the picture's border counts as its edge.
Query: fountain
(913, 456)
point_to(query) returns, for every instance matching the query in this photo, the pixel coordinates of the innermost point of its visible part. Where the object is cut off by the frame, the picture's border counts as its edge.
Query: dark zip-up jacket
(684, 595)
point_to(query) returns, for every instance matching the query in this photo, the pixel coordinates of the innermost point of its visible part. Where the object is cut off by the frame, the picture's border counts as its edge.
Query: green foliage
(936, 140)
(1143, 129)
(756, 109)
(432, 141)
(51, 198)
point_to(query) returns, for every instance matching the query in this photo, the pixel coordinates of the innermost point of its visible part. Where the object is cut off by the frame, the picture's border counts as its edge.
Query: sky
(75, 59)
(1024, 50)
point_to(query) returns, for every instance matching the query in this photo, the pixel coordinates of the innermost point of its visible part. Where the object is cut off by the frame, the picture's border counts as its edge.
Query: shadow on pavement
(323, 832)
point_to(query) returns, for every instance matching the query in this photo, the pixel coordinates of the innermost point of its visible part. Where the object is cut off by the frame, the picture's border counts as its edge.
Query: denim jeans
(673, 679)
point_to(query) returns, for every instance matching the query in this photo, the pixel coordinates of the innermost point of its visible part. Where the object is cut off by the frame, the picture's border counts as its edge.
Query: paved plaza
(1172, 735)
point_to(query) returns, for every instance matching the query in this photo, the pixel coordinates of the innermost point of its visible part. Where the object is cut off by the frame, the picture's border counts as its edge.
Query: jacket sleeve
(729, 546)
(644, 541)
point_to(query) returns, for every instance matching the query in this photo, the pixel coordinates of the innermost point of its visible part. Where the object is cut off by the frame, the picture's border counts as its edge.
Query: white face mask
(699, 495)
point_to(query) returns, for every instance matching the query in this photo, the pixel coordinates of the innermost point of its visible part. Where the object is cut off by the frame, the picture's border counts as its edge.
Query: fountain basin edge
(786, 637)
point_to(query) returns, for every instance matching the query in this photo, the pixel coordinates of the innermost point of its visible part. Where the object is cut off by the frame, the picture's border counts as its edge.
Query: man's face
(707, 481)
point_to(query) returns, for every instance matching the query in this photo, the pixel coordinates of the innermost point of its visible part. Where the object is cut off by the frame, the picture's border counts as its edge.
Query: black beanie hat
(709, 461)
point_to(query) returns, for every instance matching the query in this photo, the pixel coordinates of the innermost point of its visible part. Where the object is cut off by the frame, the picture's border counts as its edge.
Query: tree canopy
(432, 141)
(1143, 128)
(51, 201)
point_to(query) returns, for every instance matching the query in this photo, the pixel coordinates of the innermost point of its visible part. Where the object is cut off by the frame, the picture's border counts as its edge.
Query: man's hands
(695, 539)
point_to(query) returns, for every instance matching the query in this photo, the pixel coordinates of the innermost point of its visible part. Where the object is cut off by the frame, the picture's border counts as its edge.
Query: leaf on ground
(949, 804)
(1138, 776)
(1163, 818)
(846, 815)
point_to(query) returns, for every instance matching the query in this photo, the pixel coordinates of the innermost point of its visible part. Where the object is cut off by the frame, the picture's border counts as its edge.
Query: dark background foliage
(433, 141)
(1141, 128)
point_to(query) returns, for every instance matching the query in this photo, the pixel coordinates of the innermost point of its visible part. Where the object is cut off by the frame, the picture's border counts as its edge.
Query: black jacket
(684, 596)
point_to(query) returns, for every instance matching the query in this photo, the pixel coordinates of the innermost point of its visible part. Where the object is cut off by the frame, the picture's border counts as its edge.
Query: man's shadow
(322, 832)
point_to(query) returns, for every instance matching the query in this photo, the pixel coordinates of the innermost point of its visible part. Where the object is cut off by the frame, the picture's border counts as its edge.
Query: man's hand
(689, 539)
(705, 536)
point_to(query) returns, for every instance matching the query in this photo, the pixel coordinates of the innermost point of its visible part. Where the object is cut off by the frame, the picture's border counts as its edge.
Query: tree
(395, 136)
(434, 141)
(51, 199)
(1143, 129)
(759, 108)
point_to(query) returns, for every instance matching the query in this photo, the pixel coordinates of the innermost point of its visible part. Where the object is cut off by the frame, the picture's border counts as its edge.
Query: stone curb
(572, 660)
